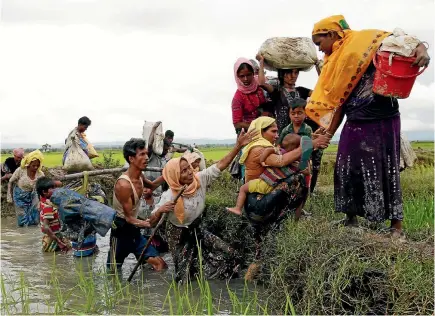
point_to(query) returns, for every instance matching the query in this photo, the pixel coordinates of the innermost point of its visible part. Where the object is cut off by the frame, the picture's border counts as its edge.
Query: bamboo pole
(101, 172)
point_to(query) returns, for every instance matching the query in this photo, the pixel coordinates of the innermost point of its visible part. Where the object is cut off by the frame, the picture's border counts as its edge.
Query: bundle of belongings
(84, 213)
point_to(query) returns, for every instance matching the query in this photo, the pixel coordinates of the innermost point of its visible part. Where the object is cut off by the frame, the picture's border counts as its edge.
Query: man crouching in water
(125, 237)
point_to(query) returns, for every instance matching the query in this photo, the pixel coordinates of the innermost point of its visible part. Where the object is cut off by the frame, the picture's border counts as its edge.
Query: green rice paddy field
(54, 159)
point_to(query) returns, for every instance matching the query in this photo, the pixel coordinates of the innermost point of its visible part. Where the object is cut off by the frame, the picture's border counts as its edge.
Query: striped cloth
(273, 175)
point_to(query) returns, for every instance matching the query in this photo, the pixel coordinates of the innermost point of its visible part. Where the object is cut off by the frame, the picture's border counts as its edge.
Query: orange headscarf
(171, 173)
(342, 70)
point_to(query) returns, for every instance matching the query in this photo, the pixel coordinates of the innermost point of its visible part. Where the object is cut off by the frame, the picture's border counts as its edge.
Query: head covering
(18, 152)
(191, 158)
(335, 23)
(343, 68)
(34, 155)
(258, 125)
(171, 173)
(240, 86)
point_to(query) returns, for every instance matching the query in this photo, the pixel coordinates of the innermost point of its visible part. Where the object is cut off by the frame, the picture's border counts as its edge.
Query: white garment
(400, 43)
(194, 205)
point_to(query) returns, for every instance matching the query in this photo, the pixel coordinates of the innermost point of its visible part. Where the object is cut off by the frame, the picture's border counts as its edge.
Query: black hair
(84, 121)
(130, 147)
(169, 133)
(166, 142)
(282, 73)
(297, 103)
(268, 106)
(44, 184)
(245, 66)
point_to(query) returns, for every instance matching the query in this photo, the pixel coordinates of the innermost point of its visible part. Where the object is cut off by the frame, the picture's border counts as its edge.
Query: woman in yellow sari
(366, 179)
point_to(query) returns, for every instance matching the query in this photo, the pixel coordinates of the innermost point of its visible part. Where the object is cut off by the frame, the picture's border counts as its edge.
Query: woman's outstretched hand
(245, 138)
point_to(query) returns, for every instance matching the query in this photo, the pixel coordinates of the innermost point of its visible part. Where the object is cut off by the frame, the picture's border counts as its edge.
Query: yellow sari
(342, 70)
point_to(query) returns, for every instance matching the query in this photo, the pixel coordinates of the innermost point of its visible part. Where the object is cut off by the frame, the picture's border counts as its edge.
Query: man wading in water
(126, 237)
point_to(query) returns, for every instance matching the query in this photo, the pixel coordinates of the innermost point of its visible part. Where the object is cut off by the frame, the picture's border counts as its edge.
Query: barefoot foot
(234, 210)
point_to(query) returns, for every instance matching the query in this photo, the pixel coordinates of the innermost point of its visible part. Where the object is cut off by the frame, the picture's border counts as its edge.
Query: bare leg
(351, 220)
(396, 227)
(243, 192)
(298, 212)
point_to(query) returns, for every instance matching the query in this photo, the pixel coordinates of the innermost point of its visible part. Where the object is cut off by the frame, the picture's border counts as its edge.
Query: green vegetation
(309, 267)
(54, 159)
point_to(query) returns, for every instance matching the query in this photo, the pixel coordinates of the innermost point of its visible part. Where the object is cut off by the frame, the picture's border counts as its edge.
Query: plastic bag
(92, 153)
(289, 53)
(76, 160)
(158, 136)
(399, 43)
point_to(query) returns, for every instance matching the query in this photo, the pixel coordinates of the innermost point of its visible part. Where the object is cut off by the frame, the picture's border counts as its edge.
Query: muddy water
(21, 253)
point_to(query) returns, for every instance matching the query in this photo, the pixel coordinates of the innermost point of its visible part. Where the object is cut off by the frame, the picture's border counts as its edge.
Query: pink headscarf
(240, 86)
(18, 152)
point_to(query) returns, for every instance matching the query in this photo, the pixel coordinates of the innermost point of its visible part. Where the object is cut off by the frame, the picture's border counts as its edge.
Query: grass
(309, 267)
(95, 292)
(54, 159)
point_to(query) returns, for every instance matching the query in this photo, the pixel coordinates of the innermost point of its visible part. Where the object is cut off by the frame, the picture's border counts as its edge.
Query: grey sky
(123, 62)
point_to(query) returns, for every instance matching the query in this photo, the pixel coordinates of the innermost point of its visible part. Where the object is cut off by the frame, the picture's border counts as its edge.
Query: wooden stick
(162, 219)
(100, 172)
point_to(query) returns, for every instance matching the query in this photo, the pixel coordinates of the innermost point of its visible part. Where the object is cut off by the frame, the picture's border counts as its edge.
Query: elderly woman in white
(182, 228)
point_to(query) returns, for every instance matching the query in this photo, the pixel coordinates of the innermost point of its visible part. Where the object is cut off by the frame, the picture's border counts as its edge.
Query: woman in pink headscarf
(249, 99)
(11, 164)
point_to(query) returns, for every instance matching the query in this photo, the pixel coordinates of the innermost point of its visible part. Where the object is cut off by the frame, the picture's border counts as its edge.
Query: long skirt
(274, 207)
(26, 207)
(218, 260)
(267, 212)
(366, 177)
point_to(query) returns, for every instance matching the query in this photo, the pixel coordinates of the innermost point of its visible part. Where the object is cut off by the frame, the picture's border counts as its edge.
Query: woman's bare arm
(262, 77)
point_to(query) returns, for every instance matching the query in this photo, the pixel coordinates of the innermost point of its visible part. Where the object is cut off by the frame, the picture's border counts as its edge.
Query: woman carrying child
(284, 92)
(267, 211)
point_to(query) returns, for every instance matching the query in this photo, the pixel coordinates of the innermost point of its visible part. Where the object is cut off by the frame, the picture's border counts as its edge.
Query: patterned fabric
(26, 207)
(272, 175)
(267, 212)
(351, 55)
(366, 178)
(51, 245)
(47, 211)
(23, 181)
(219, 260)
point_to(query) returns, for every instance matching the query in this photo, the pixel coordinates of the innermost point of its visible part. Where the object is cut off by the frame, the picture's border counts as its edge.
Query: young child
(270, 177)
(298, 125)
(49, 218)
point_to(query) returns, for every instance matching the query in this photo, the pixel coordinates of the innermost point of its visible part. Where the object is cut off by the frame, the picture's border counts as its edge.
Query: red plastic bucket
(394, 76)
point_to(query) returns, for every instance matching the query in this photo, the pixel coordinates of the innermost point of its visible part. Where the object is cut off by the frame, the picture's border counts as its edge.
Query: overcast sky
(123, 62)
